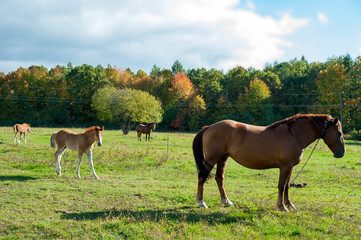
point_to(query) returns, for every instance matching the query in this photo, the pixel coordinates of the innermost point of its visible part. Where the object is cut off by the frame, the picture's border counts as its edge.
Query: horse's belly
(252, 161)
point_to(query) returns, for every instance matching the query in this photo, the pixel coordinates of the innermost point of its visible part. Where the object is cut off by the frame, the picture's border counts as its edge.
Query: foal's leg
(80, 156)
(19, 140)
(286, 197)
(16, 137)
(284, 174)
(25, 137)
(89, 155)
(221, 168)
(58, 154)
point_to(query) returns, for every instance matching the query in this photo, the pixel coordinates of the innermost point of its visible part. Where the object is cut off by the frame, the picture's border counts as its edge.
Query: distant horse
(147, 129)
(83, 143)
(279, 145)
(22, 128)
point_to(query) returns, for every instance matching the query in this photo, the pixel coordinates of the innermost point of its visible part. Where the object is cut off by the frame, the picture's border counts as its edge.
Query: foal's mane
(317, 119)
(91, 128)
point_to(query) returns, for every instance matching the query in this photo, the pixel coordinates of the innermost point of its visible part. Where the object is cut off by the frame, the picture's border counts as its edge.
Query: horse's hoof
(282, 208)
(202, 204)
(290, 206)
(227, 203)
(96, 177)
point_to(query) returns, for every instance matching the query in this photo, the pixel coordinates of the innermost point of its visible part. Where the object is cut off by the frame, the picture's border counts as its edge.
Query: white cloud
(138, 34)
(322, 18)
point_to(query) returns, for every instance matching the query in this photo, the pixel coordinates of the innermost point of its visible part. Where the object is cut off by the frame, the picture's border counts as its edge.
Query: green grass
(145, 194)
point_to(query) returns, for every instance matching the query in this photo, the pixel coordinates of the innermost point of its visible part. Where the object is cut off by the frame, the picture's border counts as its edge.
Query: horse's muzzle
(339, 153)
(99, 144)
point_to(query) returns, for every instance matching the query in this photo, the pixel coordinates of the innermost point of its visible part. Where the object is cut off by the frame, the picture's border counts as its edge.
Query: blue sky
(137, 34)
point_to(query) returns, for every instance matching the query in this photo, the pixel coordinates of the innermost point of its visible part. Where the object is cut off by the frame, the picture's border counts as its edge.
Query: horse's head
(154, 126)
(28, 128)
(333, 137)
(99, 135)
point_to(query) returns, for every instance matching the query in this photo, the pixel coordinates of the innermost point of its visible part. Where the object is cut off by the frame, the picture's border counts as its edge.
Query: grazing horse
(279, 145)
(22, 128)
(83, 143)
(147, 129)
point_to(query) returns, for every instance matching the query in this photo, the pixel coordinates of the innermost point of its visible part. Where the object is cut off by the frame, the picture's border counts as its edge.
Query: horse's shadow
(192, 215)
(18, 178)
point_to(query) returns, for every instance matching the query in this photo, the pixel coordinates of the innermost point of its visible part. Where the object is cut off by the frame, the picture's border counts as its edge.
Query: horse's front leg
(89, 155)
(25, 137)
(80, 157)
(286, 199)
(284, 174)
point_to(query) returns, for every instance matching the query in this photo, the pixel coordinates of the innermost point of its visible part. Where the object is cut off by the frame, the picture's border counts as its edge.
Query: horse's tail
(203, 172)
(52, 140)
(15, 128)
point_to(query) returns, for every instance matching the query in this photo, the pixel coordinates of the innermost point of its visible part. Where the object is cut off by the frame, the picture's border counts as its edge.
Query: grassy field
(148, 192)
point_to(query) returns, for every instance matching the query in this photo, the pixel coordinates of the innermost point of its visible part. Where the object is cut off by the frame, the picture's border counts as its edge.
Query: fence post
(341, 106)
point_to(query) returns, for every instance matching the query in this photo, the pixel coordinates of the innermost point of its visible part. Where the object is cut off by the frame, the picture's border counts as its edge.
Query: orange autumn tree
(182, 90)
(182, 87)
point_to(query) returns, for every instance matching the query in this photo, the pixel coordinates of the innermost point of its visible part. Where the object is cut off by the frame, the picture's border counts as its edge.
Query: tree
(177, 67)
(84, 81)
(254, 105)
(126, 107)
(182, 87)
(144, 82)
(329, 84)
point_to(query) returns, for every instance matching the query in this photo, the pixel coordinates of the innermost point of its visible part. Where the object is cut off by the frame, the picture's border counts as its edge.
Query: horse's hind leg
(16, 137)
(201, 181)
(58, 154)
(221, 168)
(199, 198)
(25, 137)
(89, 155)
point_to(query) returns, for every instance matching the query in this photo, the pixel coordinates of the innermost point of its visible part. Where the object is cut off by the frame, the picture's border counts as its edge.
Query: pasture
(145, 194)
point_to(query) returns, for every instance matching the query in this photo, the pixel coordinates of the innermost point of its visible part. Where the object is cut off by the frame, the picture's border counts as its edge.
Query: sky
(139, 34)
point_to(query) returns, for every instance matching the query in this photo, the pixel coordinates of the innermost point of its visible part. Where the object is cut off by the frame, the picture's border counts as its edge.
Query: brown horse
(279, 145)
(22, 128)
(147, 129)
(83, 143)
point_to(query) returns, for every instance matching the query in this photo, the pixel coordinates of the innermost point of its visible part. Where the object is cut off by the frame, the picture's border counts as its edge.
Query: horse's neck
(89, 137)
(305, 132)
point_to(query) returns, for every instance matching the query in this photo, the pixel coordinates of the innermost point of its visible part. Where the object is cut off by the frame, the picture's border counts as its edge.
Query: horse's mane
(317, 119)
(91, 128)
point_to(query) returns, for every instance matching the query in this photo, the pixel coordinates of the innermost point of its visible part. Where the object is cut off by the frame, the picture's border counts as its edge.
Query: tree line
(189, 99)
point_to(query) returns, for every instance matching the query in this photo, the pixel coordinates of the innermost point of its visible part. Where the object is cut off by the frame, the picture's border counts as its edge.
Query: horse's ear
(102, 128)
(335, 121)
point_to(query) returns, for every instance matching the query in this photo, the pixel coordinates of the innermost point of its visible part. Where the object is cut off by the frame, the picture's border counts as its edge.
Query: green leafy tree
(126, 107)
(254, 105)
(83, 81)
(177, 67)
(329, 83)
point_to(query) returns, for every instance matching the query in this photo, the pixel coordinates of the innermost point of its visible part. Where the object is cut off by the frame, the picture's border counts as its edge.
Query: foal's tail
(52, 140)
(15, 129)
(203, 172)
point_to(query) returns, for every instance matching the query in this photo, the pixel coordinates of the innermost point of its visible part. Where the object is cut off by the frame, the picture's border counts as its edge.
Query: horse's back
(67, 138)
(139, 127)
(21, 127)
